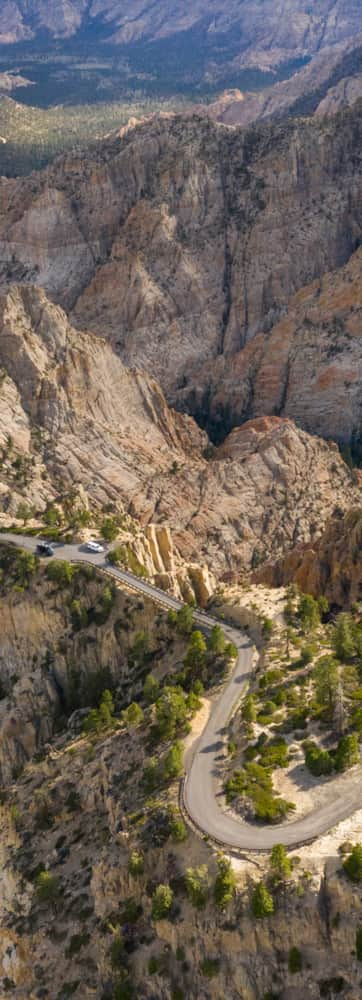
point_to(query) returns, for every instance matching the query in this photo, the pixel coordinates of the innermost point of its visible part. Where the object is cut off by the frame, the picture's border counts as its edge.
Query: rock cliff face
(308, 367)
(48, 667)
(77, 418)
(266, 34)
(181, 240)
(332, 565)
(329, 82)
(343, 95)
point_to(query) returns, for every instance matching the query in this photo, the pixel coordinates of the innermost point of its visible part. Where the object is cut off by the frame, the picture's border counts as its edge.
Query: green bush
(102, 613)
(279, 862)
(170, 713)
(183, 619)
(326, 678)
(230, 651)
(139, 650)
(359, 944)
(161, 902)
(319, 762)
(178, 829)
(267, 628)
(308, 611)
(24, 512)
(275, 754)
(151, 777)
(124, 990)
(353, 864)
(195, 659)
(52, 517)
(133, 716)
(248, 710)
(197, 883)
(47, 887)
(254, 781)
(60, 572)
(307, 654)
(17, 566)
(347, 753)
(125, 556)
(171, 766)
(102, 717)
(155, 965)
(216, 642)
(225, 882)
(131, 911)
(136, 864)
(116, 556)
(343, 640)
(110, 529)
(262, 903)
(271, 808)
(151, 689)
(294, 960)
(76, 942)
(79, 615)
(210, 967)
(117, 950)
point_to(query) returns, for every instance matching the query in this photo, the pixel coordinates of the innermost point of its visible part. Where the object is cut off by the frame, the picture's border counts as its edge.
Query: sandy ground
(266, 601)
(312, 857)
(198, 724)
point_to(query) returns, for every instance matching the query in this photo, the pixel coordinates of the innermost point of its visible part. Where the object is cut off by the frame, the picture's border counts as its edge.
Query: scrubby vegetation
(112, 873)
(17, 568)
(305, 699)
(254, 784)
(35, 136)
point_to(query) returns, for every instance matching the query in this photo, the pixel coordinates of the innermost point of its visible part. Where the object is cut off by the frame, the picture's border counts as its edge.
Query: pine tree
(262, 903)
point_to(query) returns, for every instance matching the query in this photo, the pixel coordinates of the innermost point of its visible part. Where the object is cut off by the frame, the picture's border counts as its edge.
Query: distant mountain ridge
(332, 80)
(251, 33)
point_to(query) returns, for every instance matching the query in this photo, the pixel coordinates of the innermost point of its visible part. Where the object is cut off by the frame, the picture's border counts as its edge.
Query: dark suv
(44, 549)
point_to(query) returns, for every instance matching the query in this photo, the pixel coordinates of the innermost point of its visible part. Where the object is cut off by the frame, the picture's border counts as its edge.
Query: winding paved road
(201, 790)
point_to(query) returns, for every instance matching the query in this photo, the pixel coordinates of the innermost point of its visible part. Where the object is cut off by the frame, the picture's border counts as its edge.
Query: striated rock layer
(332, 565)
(329, 82)
(181, 240)
(78, 418)
(309, 367)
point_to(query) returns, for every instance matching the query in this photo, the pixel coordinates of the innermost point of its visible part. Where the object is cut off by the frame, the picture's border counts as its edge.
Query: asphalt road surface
(202, 798)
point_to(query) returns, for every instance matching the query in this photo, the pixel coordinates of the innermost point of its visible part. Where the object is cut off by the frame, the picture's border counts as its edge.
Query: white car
(94, 547)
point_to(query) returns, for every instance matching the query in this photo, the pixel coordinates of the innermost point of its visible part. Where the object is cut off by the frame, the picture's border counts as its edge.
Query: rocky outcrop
(74, 418)
(331, 565)
(96, 423)
(182, 240)
(309, 367)
(327, 83)
(82, 418)
(48, 665)
(343, 95)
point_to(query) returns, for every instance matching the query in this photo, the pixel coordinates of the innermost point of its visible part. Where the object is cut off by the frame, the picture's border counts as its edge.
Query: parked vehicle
(44, 549)
(94, 547)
